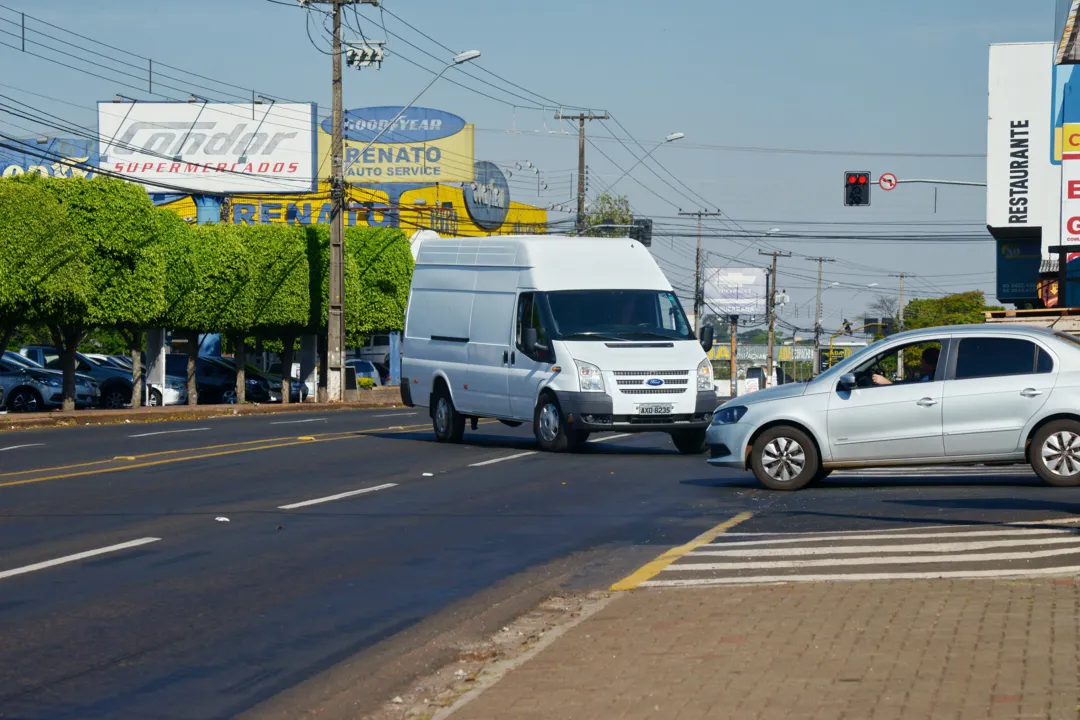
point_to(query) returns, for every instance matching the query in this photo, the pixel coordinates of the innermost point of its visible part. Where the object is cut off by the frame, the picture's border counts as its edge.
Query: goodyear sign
(50, 157)
(421, 146)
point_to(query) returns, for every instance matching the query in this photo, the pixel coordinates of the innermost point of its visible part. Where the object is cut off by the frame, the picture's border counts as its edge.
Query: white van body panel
(461, 325)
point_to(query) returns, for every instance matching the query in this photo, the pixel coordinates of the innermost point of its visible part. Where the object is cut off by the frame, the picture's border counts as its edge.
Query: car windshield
(618, 315)
(849, 362)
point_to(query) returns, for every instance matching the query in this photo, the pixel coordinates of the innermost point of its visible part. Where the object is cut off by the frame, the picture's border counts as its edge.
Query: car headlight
(728, 415)
(52, 381)
(704, 376)
(590, 377)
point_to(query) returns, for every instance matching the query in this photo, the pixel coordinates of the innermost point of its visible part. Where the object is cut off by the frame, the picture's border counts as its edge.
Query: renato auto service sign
(212, 148)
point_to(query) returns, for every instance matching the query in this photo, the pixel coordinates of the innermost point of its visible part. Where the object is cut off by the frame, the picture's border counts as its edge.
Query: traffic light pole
(770, 304)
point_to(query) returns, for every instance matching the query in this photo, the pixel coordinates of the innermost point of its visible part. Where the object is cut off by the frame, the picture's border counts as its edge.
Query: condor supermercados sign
(211, 148)
(421, 146)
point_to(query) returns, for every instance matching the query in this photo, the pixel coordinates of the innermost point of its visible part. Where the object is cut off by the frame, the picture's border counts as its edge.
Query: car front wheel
(784, 458)
(1055, 453)
(553, 433)
(25, 401)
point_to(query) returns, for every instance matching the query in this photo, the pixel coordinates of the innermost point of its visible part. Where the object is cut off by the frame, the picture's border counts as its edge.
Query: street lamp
(670, 138)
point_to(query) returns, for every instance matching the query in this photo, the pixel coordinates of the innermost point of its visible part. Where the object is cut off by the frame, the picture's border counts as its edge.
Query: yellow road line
(167, 461)
(654, 567)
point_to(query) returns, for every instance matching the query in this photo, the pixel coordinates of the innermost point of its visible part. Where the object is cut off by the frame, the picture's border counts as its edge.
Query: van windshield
(618, 315)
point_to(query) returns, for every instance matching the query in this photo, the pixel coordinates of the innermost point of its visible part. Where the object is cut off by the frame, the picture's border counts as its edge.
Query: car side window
(981, 357)
(528, 316)
(912, 363)
(1043, 362)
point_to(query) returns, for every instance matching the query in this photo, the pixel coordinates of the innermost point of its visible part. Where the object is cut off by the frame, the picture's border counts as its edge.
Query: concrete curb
(377, 398)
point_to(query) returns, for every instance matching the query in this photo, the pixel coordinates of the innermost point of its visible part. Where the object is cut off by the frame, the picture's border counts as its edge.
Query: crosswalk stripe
(863, 550)
(893, 536)
(848, 577)
(877, 560)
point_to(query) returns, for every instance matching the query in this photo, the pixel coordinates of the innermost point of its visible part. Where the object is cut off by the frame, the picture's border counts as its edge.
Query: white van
(574, 335)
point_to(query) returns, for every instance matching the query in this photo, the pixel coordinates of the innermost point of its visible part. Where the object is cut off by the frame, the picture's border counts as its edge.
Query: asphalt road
(352, 543)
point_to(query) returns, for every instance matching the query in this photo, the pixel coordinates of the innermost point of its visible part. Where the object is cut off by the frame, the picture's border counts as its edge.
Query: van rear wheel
(448, 423)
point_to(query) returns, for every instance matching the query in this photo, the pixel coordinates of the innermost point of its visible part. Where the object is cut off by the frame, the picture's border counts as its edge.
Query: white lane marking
(168, 432)
(1059, 521)
(842, 577)
(339, 496)
(20, 447)
(296, 422)
(898, 536)
(611, 437)
(876, 560)
(925, 547)
(829, 533)
(77, 556)
(395, 415)
(504, 459)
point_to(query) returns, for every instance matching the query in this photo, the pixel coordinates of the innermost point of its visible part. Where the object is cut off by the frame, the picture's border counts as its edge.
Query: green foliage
(609, 208)
(207, 277)
(385, 265)
(365, 383)
(960, 309)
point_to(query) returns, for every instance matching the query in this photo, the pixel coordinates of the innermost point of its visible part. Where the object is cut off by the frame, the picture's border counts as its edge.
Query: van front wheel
(448, 423)
(550, 427)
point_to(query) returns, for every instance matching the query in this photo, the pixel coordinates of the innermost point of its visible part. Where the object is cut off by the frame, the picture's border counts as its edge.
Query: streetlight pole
(670, 138)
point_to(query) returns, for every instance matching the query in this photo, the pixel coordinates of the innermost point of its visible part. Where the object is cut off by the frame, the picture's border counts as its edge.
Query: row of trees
(80, 255)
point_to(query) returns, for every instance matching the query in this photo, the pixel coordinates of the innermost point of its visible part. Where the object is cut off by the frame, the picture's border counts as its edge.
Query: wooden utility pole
(900, 360)
(699, 278)
(770, 305)
(816, 360)
(581, 118)
(335, 321)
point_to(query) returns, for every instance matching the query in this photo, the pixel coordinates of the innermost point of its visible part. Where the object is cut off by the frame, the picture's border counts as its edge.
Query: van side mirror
(707, 338)
(529, 341)
(848, 381)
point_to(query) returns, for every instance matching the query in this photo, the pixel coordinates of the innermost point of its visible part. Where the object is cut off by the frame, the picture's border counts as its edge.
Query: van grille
(651, 373)
(641, 381)
(652, 391)
(632, 382)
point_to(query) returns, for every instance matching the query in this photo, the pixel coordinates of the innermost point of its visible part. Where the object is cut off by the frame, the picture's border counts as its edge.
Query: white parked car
(574, 335)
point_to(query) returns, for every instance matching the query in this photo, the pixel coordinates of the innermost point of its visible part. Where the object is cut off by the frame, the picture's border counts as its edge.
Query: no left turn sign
(887, 181)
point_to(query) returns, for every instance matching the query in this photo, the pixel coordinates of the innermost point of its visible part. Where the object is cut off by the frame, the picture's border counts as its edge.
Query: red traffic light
(851, 179)
(862, 179)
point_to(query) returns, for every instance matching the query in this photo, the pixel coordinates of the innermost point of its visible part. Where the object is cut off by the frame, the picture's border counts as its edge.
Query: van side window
(528, 316)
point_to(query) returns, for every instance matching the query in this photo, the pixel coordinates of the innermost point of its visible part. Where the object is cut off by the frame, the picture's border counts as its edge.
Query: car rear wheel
(689, 442)
(1055, 453)
(449, 424)
(784, 458)
(25, 400)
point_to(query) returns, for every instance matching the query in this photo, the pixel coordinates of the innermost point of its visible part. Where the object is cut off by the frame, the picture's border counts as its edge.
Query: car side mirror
(848, 381)
(529, 341)
(706, 338)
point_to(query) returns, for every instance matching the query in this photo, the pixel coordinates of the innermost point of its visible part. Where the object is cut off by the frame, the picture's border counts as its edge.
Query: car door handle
(927, 402)
(506, 357)
(1030, 392)
(513, 358)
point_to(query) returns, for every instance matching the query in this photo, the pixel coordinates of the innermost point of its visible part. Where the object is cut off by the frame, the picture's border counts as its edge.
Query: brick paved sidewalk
(891, 649)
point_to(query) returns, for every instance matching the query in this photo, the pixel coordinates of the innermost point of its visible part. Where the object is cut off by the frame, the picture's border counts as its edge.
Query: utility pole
(699, 284)
(335, 340)
(816, 360)
(900, 360)
(581, 118)
(770, 305)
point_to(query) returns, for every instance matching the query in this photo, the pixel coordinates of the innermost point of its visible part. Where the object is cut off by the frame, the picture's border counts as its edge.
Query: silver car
(953, 395)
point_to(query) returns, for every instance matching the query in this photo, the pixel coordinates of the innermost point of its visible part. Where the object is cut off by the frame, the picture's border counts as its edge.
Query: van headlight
(728, 415)
(589, 377)
(704, 376)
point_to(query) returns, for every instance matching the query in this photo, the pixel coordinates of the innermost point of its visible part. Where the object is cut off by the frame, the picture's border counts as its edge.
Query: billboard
(735, 291)
(422, 146)
(50, 157)
(210, 148)
(1021, 183)
(1018, 263)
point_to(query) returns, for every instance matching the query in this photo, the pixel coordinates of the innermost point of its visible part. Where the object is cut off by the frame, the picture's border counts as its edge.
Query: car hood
(41, 373)
(779, 392)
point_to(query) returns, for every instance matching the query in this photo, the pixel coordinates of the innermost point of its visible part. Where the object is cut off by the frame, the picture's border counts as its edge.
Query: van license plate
(655, 409)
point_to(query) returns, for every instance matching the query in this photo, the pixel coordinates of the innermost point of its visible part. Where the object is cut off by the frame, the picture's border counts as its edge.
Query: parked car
(114, 383)
(271, 382)
(365, 369)
(28, 387)
(952, 395)
(215, 379)
(376, 349)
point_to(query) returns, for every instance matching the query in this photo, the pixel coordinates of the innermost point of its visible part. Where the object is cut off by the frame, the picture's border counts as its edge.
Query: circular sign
(887, 181)
(487, 197)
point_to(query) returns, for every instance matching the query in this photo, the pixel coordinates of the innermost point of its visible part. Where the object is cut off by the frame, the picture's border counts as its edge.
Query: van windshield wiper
(591, 336)
(650, 333)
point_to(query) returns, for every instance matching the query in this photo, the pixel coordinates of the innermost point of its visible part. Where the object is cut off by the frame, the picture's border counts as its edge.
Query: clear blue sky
(818, 75)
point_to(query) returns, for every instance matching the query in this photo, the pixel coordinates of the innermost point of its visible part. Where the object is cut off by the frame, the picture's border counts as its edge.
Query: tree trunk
(240, 357)
(66, 340)
(135, 341)
(193, 368)
(288, 340)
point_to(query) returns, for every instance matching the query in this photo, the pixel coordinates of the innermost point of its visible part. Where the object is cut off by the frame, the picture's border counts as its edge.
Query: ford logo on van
(655, 382)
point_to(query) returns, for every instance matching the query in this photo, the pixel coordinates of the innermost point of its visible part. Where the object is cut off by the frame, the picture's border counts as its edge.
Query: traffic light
(857, 188)
(642, 231)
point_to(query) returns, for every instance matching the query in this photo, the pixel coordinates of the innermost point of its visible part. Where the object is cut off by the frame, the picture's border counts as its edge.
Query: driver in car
(927, 368)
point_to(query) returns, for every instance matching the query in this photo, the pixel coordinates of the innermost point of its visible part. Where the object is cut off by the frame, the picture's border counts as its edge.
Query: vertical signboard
(1018, 264)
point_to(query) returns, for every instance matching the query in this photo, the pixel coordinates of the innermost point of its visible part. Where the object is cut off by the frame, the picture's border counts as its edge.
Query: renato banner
(422, 146)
